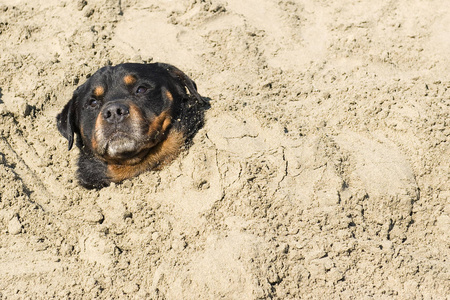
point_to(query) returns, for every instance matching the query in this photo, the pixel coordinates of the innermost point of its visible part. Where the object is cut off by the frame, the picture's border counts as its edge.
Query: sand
(322, 171)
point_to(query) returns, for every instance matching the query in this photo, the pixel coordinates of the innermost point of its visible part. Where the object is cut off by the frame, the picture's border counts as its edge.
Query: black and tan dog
(130, 118)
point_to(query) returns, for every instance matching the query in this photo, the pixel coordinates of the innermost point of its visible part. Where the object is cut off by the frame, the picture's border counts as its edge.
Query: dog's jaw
(121, 146)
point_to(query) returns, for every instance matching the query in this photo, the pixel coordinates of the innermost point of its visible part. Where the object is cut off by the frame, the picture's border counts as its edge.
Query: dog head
(122, 112)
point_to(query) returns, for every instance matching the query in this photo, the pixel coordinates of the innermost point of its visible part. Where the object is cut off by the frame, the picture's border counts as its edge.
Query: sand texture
(322, 171)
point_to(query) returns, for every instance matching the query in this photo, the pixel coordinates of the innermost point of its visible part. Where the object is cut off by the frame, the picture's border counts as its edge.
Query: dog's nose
(115, 112)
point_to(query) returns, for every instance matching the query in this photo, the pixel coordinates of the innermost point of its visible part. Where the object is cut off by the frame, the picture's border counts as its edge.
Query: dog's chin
(121, 147)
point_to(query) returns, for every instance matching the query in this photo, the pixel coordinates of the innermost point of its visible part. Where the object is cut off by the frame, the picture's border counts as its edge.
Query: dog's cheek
(96, 132)
(87, 130)
(84, 134)
(138, 121)
(160, 124)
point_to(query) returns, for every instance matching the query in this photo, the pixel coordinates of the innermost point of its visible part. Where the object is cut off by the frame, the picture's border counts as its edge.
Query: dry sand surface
(322, 171)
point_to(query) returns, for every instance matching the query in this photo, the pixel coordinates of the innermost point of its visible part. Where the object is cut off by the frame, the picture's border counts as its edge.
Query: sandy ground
(322, 172)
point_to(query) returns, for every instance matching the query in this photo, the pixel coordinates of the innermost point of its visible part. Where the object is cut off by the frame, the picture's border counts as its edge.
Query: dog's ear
(183, 81)
(66, 120)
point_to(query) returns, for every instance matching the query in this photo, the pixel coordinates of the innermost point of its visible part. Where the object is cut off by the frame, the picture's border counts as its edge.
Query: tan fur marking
(97, 128)
(158, 156)
(166, 124)
(129, 79)
(99, 91)
(158, 123)
(94, 143)
(169, 95)
(135, 113)
(82, 131)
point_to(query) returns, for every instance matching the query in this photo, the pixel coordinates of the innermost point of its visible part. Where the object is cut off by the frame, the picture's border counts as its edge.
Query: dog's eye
(141, 90)
(93, 103)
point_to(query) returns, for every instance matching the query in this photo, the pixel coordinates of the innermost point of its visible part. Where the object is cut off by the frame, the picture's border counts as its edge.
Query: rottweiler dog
(130, 118)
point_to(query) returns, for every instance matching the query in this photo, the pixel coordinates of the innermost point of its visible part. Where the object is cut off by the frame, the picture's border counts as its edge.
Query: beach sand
(322, 171)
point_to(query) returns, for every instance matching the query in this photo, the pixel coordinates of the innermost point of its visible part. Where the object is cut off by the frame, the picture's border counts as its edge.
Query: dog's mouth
(125, 149)
(121, 145)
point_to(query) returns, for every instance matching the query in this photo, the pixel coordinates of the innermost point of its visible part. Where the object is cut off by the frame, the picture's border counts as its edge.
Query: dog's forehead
(146, 71)
(128, 74)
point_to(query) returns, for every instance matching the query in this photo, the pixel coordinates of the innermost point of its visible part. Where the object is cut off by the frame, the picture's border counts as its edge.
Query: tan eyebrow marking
(129, 79)
(99, 91)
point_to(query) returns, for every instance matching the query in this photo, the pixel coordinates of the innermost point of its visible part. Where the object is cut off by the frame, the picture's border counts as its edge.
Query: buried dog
(130, 118)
